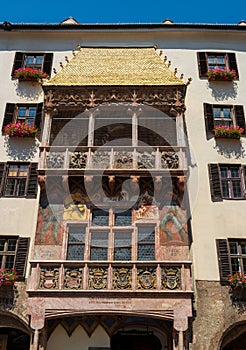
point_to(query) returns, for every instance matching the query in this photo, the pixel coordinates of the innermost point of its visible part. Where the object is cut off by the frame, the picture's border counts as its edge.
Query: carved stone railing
(116, 158)
(110, 276)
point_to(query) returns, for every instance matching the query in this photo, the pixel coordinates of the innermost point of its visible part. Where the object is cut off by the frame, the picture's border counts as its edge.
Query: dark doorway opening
(135, 340)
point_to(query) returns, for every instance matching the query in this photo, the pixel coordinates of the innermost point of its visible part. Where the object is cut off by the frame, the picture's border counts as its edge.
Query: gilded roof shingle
(115, 66)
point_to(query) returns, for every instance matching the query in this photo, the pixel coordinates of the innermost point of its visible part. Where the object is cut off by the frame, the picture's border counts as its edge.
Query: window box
(21, 130)
(7, 277)
(30, 74)
(220, 74)
(224, 131)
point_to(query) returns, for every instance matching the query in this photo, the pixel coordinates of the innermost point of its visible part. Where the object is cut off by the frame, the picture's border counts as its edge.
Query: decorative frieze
(55, 160)
(123, 160)
(169, 160)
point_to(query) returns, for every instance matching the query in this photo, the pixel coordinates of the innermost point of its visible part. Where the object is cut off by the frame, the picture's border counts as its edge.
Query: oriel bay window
(113, 127)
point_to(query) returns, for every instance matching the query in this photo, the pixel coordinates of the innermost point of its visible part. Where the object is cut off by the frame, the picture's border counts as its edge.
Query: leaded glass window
(76, 243)
(100, 218)
(99, 246)
(123, 218)
(146, 243)
(123, 245)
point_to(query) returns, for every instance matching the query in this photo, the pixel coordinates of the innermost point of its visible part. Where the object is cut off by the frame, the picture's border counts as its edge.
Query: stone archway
(235, 337)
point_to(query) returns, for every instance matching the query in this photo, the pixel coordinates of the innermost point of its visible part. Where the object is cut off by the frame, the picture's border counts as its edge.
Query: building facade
(122, 208)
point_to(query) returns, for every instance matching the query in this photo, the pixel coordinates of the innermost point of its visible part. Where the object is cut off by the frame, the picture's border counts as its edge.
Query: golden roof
(115, 66)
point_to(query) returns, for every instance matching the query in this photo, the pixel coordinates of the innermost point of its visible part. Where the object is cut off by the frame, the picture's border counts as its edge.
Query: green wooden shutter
(202, 63)
(214, 179)
(209, 116)
(21, 257)
(9, 114)
(223, 258)
(18, 61)
(48, 58)
(232, 62)
(239, 114)
(32, 186)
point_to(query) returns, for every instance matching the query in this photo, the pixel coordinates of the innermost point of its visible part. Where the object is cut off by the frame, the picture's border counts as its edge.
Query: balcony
(118, 159)
(120, 277)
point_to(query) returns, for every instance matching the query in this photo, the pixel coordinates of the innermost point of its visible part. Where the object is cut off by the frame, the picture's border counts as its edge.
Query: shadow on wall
(221, 92)
(29, 90)
(230, 148)
(24, 149)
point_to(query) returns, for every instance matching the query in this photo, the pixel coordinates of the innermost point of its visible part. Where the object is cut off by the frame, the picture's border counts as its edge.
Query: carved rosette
(98, 277)
(146, 278)
(49, 278)
(78, 160)
(122, 278)
(73, 278)
(55, 160)
(169, 160)
(171, 278)
(123, 160)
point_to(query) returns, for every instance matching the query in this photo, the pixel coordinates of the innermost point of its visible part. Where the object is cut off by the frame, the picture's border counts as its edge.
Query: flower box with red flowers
(20, 130)
(7, 277)
(222, 74)
(224, 131)
(29, 74)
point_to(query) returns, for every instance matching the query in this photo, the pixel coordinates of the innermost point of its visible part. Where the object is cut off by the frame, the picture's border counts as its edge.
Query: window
(211, 60)
(8, 247)
(227, 181)
(28, 113)
(13, 253)
(35, 60)
(146, 243)
(231, 256)
(114, 243)
(223, 114)
(18, 180)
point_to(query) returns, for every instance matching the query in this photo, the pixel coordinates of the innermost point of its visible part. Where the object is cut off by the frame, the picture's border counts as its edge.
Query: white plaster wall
(209, 220)
(79, 339)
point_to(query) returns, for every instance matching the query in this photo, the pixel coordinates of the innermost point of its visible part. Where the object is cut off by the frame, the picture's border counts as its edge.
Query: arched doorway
(235, 338)
(14, 339)
(135, 340)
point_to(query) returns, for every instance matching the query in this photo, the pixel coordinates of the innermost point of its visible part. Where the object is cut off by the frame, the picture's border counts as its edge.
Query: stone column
(36, 309)
(134, 129)
(91, 128)
(46, 129)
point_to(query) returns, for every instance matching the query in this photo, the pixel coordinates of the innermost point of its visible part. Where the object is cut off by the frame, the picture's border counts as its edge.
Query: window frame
(5, 253)
(31, 184)
(224, 257)
(21, 57)
(238, 117)
(231, 179)
(203, 67)
(11, 113)
(17, 179)
(112, 232)
(215, 181)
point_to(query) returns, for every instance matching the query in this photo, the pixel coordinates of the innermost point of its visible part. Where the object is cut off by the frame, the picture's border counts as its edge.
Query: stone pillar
(46, 129)
(182, 311)
(36, 310)
(91, 128)
(43, 339)
(35, 342)
(134, 130)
